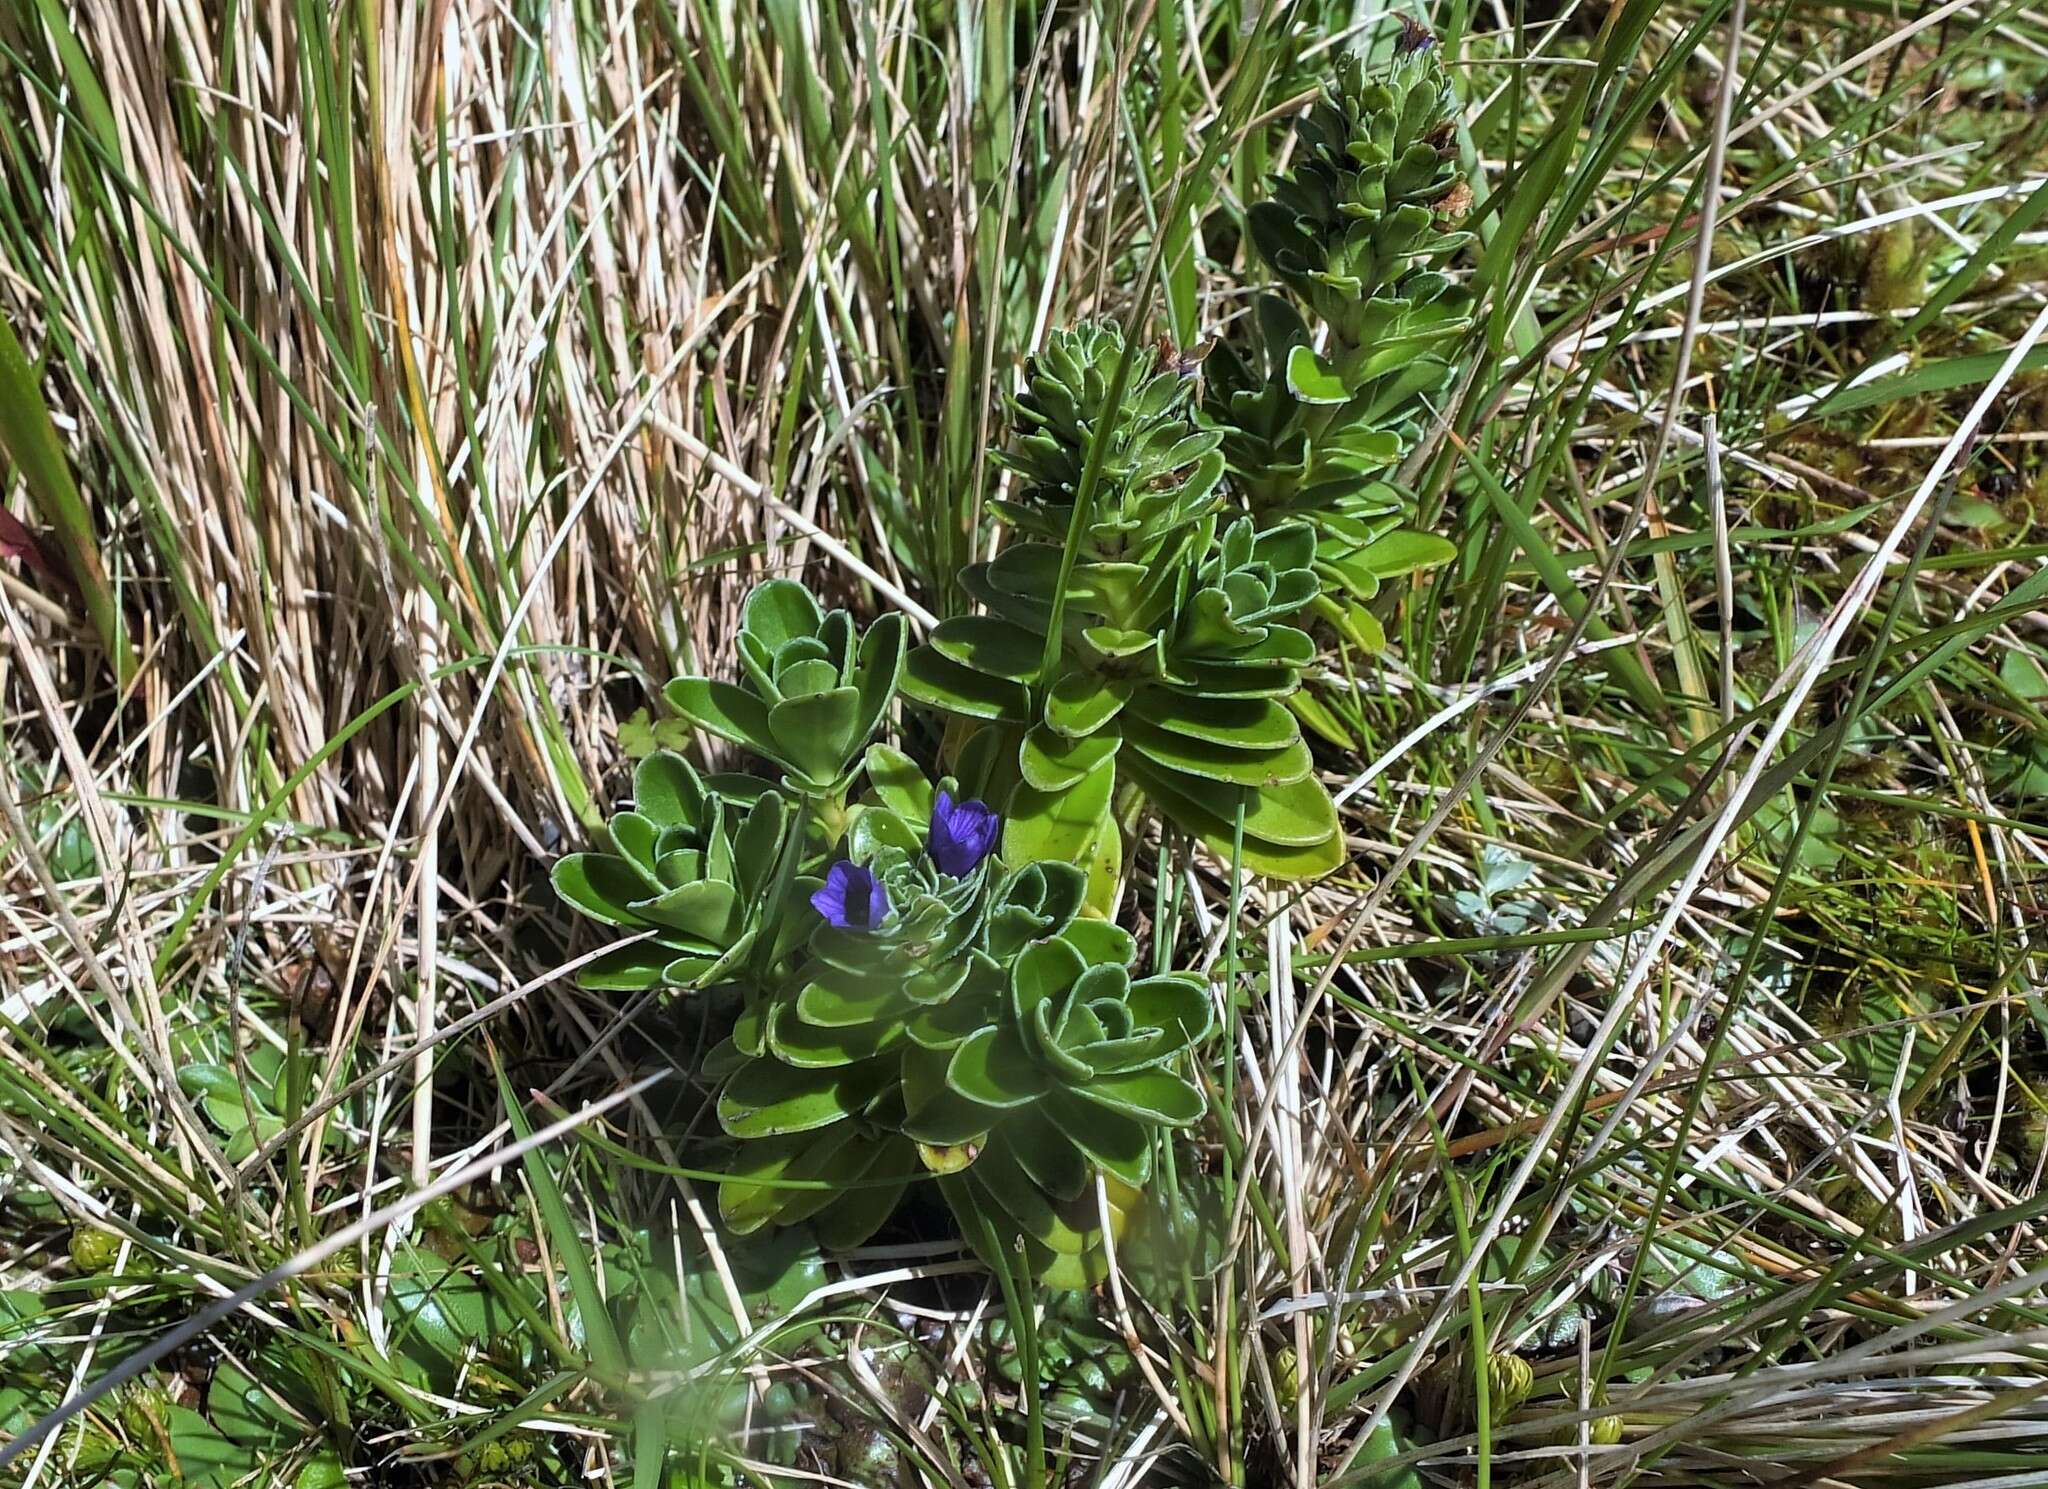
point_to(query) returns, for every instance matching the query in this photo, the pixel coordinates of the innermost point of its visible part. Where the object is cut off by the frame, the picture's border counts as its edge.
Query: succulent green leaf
(704, 909)
(625, 969)
(942, 1026)
(1176, 1004)
(1081, 702)
(1045, 972)
(995, 1069)
(995, 1236)
(880, 672)
(1297, 815)
(752, 1195)
(859, 1212)
(1153, 1096)
(634, 837)
(1101, 942)
(667, 791)
(992, 647)
(1102, 860)
(1312, 380)
(805, 676)
(807, 1046)
(1237, 723)
(879, 835)
(1052, 763)
(765, 1098)
(934, 1112)
(1112, 1141)
(843, 1169)
(1404, 552)
(730, 712)
(1237, 681)
(601, 886)
(902, 787)
(1191, 755)
(842, 1002)
(779, 611)
(936, 682)
(1003, 1181)
(757, 845)
(1048, 1156)
(711, 965)
(1277, 812)
(1058, 825)
(817, 733)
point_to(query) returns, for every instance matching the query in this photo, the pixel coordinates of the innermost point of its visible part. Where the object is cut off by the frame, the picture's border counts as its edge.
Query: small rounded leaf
(779, 611)
(994, 1068)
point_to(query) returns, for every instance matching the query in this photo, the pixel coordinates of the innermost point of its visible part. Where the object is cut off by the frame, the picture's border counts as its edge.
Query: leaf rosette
(690, 867)
(822, 1050)
(1070, 1072)
(900, 933)
(1347, 225)
(976, 1026)
(911, 924)
(811, 691)
(1157, 487)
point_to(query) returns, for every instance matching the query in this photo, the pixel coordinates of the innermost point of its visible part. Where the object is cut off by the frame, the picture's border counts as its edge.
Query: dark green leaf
(930, 679)
(992, 647)
(779, 611)
(901, 786)
(1147, 1096)
(817, 733)
(1191, 756)
(731, 713)
(1052, 763)
(765, 1098)
(1080, 703)
(601, 886)
(1058, 825)
(1238, 723)
(994, 1068)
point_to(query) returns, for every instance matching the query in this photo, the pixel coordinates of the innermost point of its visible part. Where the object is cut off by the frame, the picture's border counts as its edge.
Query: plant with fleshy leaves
(1068, 1072)
(810, 693)
(812, 1070)
(1174, 639)
(904, 926)
(1354, 230)
(695, 862)
(903, 1044)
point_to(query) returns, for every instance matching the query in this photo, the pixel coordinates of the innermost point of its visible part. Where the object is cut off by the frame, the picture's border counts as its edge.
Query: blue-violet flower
(1415, 37)
(963, 834)
(852, 898)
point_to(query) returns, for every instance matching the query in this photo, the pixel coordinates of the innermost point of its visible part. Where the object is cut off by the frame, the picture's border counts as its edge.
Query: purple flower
(853, 899)
(1415, 37)
(963, 834)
